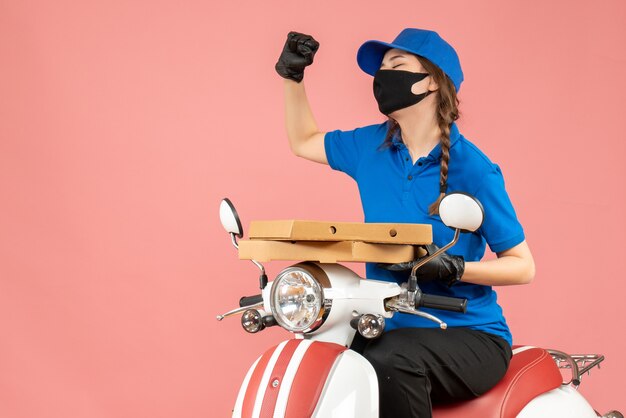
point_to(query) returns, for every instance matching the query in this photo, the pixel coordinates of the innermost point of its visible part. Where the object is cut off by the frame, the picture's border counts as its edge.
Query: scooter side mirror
(461, 211)
(230, 219)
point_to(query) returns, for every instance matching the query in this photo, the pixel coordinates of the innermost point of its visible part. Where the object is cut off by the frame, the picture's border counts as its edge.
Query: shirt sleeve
(344, 149)
(501, 228)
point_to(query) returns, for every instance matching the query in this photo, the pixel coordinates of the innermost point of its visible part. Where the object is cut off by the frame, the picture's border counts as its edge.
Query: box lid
(302, 230)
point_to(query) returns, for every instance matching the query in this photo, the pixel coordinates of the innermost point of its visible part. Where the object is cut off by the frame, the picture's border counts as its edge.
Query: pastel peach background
(123, 124)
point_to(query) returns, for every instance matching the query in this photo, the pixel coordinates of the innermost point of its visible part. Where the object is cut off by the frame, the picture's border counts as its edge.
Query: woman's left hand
(444, 268)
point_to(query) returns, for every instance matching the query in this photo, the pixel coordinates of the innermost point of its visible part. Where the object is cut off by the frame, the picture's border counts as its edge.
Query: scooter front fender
(299, 378)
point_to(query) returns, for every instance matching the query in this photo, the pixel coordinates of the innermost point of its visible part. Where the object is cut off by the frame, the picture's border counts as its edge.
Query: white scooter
(315, 374)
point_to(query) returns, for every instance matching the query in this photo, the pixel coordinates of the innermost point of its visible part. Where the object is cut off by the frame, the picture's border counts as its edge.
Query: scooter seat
(532, 371)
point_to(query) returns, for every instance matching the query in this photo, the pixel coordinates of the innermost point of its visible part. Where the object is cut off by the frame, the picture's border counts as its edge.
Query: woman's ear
(432, 84)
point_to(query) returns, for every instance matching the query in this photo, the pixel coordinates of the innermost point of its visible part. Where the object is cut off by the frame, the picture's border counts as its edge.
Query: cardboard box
(327, 252)
(297, 230)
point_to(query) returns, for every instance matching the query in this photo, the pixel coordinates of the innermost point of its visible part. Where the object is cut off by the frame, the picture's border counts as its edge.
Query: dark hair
(447, 112)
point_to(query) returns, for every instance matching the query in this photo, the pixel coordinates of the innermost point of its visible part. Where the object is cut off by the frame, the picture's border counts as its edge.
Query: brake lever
(400, 304)
(238, 311)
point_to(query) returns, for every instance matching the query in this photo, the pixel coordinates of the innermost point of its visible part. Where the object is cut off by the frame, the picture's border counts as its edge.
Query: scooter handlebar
(445, 303)
(250, 300)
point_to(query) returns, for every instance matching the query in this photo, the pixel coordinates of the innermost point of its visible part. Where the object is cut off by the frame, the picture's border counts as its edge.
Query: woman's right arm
(305, 139)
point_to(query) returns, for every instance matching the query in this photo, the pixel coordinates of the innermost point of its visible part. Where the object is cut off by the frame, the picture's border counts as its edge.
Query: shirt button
(410, 177)
(406, 159)
(420, 163)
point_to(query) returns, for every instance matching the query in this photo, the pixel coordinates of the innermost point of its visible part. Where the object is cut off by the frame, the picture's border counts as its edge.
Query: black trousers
(417, 367)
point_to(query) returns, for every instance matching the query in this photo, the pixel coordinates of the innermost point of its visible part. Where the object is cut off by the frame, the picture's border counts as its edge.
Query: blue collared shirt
(396, 190)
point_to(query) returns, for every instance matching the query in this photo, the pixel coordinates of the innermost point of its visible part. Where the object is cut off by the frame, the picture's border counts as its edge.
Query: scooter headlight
(297, 300)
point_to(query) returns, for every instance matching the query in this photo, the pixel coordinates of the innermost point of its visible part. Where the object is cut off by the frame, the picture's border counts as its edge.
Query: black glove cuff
(459, 267)
(285, 72)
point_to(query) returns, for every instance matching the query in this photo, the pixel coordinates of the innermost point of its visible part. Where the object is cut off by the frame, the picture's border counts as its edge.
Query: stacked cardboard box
(331, 242)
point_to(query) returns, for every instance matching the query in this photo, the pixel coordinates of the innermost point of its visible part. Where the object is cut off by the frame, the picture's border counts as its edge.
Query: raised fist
(298, 52)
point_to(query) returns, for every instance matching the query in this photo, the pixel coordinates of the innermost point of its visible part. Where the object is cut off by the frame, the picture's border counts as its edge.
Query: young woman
(403, 168)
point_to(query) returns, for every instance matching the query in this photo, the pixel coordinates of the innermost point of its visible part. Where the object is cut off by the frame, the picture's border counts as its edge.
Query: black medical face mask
(392, 89)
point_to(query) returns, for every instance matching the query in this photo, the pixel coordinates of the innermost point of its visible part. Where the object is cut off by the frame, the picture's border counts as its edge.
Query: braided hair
(447, 112)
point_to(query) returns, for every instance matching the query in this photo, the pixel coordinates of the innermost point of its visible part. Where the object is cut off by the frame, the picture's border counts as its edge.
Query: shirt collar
(436, 152)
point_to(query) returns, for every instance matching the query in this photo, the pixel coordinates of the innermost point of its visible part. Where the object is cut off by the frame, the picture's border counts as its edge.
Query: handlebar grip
(250, 300)
(445, 303)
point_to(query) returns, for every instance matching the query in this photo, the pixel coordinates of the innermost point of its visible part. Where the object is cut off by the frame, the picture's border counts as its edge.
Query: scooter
(315, 374)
